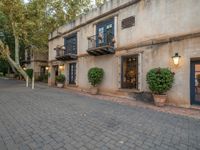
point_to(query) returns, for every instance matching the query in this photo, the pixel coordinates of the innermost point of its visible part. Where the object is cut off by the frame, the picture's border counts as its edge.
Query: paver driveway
(49, 118)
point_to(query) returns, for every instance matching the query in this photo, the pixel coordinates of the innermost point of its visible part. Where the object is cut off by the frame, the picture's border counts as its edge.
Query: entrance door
(72, 73)
(130, 72)
(55, 73)
(105, 33)
(195, 82)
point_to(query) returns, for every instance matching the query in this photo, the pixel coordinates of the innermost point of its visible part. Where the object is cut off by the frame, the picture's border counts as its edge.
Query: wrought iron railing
(100, 40)
(66, 50)
(60, 51)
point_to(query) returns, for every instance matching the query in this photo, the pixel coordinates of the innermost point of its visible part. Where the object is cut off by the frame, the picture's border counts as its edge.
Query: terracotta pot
(160, 100)
(60, 85)
(94, 90)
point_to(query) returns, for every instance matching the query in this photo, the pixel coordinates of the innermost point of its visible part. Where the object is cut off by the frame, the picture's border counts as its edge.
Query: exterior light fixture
(24, 68)
(176, 59)
(61, 67)
(47, 68)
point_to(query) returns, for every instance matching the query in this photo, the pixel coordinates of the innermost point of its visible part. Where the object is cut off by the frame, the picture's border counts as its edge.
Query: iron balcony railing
(100, 40)
(68, 50)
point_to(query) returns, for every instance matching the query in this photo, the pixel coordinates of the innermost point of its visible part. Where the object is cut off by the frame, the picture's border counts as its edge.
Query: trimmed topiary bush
(160, 80)
(60, 78)
(95, 76)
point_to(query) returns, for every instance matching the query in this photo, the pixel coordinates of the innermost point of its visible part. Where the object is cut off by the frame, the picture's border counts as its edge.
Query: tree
(30, 23)
(15, 23)
(99, 2)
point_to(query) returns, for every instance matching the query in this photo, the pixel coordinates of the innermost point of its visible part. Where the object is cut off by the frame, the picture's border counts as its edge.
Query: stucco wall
(154, 19)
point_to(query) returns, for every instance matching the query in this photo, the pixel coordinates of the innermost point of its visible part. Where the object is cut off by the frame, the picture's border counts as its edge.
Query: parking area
(55, 119)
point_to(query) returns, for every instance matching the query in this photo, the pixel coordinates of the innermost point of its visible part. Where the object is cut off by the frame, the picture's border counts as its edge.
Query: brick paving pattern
(56, 119)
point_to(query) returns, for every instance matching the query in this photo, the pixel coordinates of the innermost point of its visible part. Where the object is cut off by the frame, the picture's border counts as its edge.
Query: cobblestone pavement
(55, 119)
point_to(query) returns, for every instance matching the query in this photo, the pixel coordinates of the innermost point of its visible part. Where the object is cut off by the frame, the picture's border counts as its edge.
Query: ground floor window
(129, 68)
(72, 73)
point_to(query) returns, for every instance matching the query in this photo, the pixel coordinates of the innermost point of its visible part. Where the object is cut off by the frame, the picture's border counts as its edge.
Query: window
(71, 44)
(130, 72)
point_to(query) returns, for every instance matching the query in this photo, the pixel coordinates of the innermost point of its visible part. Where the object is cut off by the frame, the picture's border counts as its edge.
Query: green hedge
(160, 80)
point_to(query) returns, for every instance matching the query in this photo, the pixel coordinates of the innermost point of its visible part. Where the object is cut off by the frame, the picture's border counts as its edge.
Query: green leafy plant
(60, 78)
(160, 80)
(29, 72)
(95, 76)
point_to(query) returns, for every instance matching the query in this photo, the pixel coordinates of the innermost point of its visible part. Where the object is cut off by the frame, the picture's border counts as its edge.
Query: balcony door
(105, 33)
(71, 44)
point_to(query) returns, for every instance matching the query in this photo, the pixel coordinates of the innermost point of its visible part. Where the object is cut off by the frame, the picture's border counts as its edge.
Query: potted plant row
(160, 80)
(60, 80)
(95, 77)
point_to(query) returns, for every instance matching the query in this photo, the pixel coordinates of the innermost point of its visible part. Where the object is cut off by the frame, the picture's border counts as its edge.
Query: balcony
(27, 60)
(64, 54)
(101, 44)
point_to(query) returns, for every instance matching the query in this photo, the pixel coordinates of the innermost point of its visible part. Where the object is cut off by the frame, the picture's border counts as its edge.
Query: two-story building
(127, 38)
(38, 61)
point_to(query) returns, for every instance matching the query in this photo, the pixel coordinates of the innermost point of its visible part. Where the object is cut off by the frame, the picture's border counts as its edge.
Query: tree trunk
(16, 63)
(16, 49)
(17, 67)
(13, 69)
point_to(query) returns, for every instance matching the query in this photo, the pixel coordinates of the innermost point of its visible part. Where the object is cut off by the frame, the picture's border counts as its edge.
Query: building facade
(38, 61)
(127, 38)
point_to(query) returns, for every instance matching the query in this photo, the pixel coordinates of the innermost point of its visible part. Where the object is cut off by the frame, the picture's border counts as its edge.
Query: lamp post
(176, 59)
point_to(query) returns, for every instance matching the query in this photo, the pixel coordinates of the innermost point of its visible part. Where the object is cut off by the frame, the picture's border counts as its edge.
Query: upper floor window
(70, 43)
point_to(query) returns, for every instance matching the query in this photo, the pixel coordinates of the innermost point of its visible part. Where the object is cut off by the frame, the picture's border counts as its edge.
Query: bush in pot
(160, 80)
(95, 77)
(60, 80)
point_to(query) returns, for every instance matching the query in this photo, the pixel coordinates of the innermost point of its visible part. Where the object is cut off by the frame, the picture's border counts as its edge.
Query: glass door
(105, 33)
(195, 82)
(72, 73)
(130, 72)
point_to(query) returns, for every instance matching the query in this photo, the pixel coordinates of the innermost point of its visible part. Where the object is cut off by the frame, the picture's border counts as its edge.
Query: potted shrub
(160, 80)
(60, 80)
(95, 77)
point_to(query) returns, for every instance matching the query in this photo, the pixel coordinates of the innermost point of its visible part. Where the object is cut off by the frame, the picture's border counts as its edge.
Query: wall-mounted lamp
(47, 68)
(61, 67)
(176, 59)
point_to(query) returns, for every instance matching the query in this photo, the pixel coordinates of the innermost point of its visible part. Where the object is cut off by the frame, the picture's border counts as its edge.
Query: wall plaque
(128, 22)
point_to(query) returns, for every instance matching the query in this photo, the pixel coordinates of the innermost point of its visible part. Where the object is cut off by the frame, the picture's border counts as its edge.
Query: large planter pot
(60, 85)
(94, 90)
(160, 100)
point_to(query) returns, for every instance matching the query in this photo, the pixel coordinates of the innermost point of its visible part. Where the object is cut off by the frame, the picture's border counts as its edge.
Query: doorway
(129, 68)
(72, 73)
(195, 82)
(55, 73)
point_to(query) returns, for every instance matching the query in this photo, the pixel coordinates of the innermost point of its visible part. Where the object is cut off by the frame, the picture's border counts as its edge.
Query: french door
(195, 82)
(72, 73)
(105, 33)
